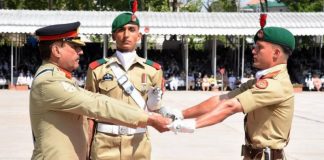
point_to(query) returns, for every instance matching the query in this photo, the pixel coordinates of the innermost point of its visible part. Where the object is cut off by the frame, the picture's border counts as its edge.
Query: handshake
(178, 123)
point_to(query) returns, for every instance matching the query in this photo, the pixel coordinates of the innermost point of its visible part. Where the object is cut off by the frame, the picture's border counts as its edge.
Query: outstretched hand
(183, 126)
(158, 122)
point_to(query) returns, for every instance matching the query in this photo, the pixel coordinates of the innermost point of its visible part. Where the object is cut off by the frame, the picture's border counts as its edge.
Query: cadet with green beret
(58, 106)
(132, 79)
(267, 100)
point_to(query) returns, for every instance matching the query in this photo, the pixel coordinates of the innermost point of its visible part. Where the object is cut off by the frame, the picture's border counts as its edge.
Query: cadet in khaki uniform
(58, 105)
(267, 101)
(133, 74)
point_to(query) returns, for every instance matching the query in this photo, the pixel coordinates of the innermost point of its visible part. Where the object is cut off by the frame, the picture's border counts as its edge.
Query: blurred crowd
(303, 68)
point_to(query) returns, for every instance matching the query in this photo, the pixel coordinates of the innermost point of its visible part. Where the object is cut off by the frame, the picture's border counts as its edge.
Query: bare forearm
(220, 113)
(202, 108)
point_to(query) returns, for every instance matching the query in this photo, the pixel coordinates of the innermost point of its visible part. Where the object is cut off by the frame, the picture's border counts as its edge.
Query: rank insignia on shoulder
(153, 64)
(97, 63)
(262, 84)
(108, 77)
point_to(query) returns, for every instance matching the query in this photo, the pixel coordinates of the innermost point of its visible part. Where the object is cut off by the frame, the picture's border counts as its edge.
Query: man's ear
(276, 53)
(55, 50)
(139, 36)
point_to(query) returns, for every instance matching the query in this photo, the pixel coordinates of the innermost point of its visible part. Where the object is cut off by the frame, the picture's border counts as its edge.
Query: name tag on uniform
(108, 77)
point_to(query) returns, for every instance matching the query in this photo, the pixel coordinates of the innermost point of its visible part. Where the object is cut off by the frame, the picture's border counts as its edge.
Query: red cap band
(59, 36)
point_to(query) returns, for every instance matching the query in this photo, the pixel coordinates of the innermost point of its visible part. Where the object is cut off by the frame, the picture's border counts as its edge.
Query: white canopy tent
(167, 23)
(163, 23)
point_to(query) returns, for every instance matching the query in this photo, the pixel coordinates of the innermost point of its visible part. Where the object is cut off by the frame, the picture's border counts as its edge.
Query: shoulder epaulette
(270, 75)
(44, 71)
(97, 63)
(153, 64)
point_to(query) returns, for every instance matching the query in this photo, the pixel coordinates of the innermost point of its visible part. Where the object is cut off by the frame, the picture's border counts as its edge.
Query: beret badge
(260, 34)
(133, 4)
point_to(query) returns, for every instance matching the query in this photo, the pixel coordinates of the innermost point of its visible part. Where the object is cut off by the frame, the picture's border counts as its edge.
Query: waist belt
(118, 130)
(256, 153)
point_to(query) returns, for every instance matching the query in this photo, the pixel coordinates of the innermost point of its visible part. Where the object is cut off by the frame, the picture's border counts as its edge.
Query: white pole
(320, 56)
(186, 60)
(11, 64)
(145, 46)
(243, 52)
(214, 56)
(238, 56)
(105, 45)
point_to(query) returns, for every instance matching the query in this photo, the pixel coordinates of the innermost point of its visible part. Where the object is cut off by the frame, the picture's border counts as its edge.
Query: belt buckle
(123, 130)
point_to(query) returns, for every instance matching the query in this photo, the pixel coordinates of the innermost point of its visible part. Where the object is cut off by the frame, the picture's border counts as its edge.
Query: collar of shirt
(126, 58)
(261, 73)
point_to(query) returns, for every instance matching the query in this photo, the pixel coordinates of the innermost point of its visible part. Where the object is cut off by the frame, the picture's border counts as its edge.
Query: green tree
(192, 6)
(221, 6)
(36, 4)
(304, 5)
(13, 4)
(98, 5)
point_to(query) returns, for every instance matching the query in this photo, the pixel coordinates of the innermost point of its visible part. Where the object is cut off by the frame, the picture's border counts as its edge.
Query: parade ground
(218, 142)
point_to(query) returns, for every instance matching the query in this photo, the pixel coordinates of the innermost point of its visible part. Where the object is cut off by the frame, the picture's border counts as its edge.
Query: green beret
(276, 35)
(123, 19)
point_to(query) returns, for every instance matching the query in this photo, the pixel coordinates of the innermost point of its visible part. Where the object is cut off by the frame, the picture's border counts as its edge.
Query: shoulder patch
(153, 64)
(97, 63)
(262, 84)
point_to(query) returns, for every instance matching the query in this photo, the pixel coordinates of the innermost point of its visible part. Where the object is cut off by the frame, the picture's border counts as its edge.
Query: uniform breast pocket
(142, 86)
(107, 87)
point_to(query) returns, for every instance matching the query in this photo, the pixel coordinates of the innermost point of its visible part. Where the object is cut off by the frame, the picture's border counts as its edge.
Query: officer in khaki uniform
(132, 79)
(58, 105)
(267, 100)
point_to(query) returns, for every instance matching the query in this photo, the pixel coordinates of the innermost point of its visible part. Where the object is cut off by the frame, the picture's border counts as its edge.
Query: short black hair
(286, 50)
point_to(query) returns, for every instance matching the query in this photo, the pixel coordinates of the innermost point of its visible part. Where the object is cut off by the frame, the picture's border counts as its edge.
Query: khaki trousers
(121, 147)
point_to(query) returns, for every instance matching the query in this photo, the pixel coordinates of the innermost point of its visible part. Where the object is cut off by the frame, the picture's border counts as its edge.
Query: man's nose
(126, 33)
(253, 51)
(80, 52)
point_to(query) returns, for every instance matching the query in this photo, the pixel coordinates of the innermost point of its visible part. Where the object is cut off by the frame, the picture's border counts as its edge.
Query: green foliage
(38, 4)
(304, 5)
(158, 6)
(223, 6)
(4, 39)
(96, 38)
(196, 42)
(13, 4)
(96, 5)
(192, 6)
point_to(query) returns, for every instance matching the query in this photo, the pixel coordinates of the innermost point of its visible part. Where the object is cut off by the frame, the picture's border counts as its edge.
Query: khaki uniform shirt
(101, 79)
(57, 106)
(142, 76)
(269, 103)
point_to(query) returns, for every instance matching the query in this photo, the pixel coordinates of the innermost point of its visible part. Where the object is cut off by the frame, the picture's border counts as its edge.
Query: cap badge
(260, 34)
